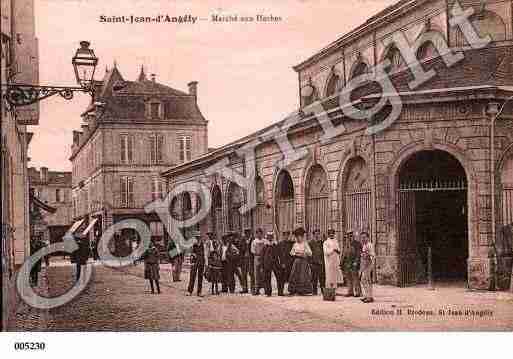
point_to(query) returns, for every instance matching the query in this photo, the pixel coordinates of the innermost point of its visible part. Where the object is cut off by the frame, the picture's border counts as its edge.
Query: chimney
(44, 174)
(76, 137)
(85, 130)
(193, 88)
(153, 77)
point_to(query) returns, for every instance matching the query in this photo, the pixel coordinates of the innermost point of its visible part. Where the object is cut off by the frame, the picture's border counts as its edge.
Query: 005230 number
(29, 346)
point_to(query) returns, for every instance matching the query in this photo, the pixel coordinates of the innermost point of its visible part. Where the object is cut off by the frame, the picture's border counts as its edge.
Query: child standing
(152, 267)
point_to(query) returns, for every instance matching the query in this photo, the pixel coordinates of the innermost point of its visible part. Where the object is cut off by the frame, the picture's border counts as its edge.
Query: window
(58, 195)
(185, 148)
(127, 144)
(157, 229)
(156, 149)
(332, 86)
(127, 191)
(157, 189)
(396, 59)
(155, 110)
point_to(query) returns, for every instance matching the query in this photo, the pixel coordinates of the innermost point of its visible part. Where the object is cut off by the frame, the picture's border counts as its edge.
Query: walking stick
(430, 270)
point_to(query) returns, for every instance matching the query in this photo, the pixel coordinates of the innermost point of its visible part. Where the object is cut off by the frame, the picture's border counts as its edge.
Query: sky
(244, 70)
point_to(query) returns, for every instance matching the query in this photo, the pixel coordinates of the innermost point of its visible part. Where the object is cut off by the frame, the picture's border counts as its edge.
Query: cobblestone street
(119, 300)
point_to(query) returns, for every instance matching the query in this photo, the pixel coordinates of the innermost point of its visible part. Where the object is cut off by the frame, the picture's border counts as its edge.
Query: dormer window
(154, 109)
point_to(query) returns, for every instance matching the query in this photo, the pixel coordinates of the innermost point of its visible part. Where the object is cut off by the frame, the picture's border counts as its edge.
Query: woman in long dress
(300, 280)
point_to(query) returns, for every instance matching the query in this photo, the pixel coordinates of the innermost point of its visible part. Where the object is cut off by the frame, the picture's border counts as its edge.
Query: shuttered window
(127, 192)
(157, 189)
(127, 148)
(156, 148)
(185, 148)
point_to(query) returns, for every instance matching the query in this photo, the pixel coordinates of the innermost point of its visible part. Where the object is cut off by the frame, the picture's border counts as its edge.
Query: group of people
(304, 265)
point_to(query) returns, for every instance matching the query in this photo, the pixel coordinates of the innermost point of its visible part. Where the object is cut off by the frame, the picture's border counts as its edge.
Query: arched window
(396, 59)
(186, 205)
(258, 213)
(285, 206)
(359, 69)
(235, 201)
(317, 191)
(486, 23)
(333, 84)
(216, 214)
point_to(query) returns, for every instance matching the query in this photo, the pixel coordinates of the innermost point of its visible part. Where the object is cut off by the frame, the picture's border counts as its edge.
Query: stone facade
(118, 156)
(381, 182)
(54, 189)
(19, 63)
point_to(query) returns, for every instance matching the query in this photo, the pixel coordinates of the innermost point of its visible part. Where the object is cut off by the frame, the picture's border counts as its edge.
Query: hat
(299, 231)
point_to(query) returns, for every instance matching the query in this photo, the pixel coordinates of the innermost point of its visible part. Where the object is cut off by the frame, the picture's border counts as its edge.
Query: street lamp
(84, 62)
(494, 111)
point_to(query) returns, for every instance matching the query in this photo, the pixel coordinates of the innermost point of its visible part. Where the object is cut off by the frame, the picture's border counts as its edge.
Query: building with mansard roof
(141, 128)
(437, 179)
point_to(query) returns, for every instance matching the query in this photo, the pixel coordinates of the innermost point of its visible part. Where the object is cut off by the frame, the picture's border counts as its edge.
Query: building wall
(370, 46)
(17, 28)
(102, 177)
(460, 129)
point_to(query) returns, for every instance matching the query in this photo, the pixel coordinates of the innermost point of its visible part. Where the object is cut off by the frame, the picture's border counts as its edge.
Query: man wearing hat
(272, 264)
(257, 250)
(229, 257)
(244, 261)
(350, 265)
(317, 261)
(285, 246)
(198, 260)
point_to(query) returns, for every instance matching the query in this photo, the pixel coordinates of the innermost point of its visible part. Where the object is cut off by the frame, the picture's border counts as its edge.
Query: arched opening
(432, 217)
(359, 69)
(426, 51)
(356, 196)
(396, 59)
(285, 204)
(317, 191)
(186, 205)
(505, 224)
(235, 201)
(332, 86)
(258, 213)
(216, 214)
(486, 23)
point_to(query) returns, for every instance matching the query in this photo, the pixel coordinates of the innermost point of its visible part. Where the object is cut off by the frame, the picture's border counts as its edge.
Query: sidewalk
(29, 318)
(448, 307)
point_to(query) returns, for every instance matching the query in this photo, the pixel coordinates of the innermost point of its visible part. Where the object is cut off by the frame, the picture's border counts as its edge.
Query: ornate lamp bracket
(22, 94)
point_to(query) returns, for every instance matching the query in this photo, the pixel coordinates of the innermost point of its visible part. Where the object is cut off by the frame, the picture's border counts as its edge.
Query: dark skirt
(214, 274)
(151, 271)
(300, 280)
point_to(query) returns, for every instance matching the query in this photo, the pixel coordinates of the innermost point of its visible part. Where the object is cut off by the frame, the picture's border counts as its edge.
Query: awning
(75, 226)
(41, 205)
(91, 224)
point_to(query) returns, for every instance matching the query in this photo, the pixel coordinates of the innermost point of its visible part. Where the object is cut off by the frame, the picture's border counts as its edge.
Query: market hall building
(424, 181)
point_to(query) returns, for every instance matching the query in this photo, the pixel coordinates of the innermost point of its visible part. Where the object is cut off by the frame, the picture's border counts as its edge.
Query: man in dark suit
(317, 261)
(198, 264)
(350, 265)
(272, 264)
(285, 246)
(243, 245)
(80, 255)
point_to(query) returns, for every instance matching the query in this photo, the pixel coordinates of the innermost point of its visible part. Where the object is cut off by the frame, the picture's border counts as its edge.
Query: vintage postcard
(256, 166)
